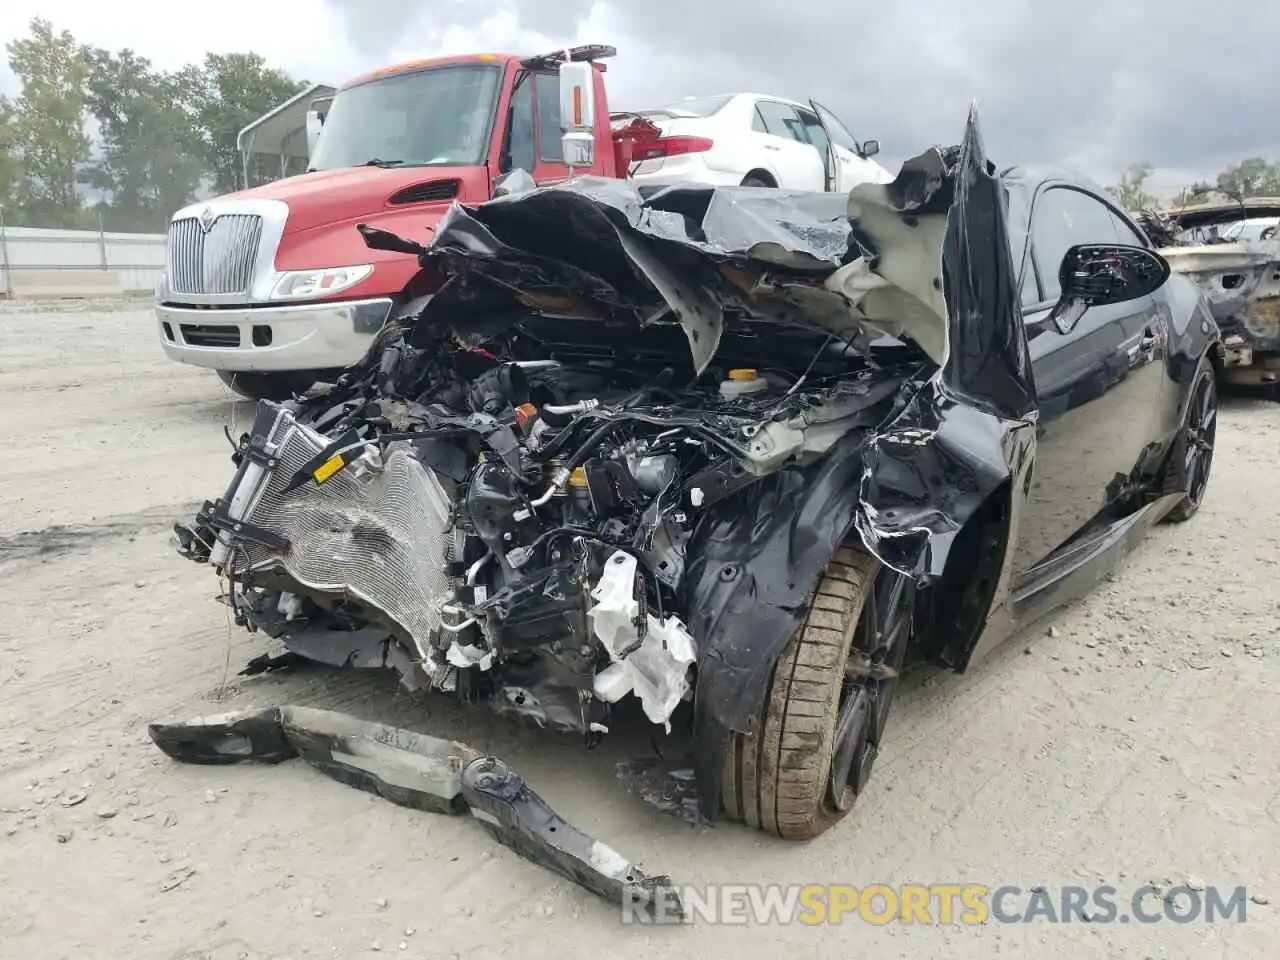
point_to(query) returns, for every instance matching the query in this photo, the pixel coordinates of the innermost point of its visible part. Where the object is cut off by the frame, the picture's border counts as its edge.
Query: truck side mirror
(577, 112)
(869, 149)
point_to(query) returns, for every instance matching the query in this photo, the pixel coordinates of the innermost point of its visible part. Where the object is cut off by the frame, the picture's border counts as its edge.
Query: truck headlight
(311, 284)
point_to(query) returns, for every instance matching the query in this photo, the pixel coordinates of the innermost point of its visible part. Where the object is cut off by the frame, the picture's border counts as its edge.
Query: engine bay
(509, 518)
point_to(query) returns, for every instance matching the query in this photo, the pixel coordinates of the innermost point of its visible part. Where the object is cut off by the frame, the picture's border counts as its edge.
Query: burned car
(750, 450)
(1231, 250)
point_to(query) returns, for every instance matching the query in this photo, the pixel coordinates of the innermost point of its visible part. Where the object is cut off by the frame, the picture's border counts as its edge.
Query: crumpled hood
(923, 257)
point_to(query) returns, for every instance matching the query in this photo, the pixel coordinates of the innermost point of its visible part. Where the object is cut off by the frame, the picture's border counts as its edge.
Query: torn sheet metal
(425, 773)
(1241, 282)
(1232, 253)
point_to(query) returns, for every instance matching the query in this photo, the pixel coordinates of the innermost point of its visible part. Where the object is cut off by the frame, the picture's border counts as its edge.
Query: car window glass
(521, 145)
(696, 107)
(1061, 219)
(757, 121)
(781, 120)
(814, 132)
(1030, 291)
(840, 134)
(1126, 233)
(1017, 215)
(548, 93)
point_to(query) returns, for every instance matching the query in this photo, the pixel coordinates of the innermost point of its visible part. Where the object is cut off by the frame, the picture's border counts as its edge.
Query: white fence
(67, 261)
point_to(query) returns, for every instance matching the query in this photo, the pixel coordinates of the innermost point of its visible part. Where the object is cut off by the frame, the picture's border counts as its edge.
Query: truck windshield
(439, 116)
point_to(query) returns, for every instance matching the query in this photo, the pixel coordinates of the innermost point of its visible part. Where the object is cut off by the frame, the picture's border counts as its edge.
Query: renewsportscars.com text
(942, 904)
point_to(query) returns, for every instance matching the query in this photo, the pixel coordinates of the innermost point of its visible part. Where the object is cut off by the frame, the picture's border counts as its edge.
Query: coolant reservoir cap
(742, 373)
(578, 478)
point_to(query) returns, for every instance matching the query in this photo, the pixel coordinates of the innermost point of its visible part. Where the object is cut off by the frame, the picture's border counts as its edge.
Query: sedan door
(777, 129)
(851, 168)
(1098, 386)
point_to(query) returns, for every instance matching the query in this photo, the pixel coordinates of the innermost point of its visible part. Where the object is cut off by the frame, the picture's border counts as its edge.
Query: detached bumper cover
(316, 336)
(424, 773)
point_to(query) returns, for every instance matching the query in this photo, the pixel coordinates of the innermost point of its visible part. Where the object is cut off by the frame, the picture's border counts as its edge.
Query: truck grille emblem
(207, 216)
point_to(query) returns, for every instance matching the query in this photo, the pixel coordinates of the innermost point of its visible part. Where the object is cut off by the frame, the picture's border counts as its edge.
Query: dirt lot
(1130, 739)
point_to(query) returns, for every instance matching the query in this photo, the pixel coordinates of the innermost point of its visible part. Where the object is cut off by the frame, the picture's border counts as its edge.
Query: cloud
(1091, 86)
(1095, 86)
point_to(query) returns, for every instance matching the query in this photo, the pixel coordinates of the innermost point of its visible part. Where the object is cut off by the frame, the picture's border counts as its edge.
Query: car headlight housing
(312, 284)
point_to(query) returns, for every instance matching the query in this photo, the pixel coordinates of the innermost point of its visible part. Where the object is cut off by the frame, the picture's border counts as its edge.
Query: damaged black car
(750, 450)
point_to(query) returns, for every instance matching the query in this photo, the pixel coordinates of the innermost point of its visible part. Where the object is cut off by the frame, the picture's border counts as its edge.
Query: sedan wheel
(829, 700)
(1199, 430)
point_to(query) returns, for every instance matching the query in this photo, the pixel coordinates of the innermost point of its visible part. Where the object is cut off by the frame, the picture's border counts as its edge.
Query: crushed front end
(516, 537)
(612, 455)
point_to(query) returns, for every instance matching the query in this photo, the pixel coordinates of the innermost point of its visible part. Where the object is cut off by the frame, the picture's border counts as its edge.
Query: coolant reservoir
(742, 382)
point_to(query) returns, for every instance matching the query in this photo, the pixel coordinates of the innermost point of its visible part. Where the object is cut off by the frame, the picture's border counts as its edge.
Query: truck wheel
(828, 702)
(268, 386)
(1194, 448)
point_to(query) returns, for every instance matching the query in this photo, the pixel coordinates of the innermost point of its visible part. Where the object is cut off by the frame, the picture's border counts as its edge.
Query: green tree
(49, 138)
(223, 95)
(1252, 177)
(1196, 193)
(10, 167)
(1130, 192)
(147, 167)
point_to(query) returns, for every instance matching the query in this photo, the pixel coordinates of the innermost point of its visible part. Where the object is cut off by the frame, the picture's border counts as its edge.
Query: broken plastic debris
(425, 773)
(656, 667)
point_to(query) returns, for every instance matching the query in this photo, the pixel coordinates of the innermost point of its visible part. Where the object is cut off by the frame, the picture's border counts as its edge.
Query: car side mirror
(1100, 274)
(869, 148)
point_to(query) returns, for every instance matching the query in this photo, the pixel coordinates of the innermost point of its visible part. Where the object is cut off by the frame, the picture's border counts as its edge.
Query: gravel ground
(1128, 739)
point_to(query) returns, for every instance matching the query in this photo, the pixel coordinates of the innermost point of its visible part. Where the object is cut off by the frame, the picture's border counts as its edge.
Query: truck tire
(780, 779)
(268, 386)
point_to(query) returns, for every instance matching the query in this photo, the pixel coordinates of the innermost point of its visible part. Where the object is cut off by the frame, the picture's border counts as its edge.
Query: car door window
(1127, 233)
(780, 120)
(757, 121)
(550, 147)
(814, 132)
(1030, 289)
(1062, 218)
(840, 134)
(817, 135)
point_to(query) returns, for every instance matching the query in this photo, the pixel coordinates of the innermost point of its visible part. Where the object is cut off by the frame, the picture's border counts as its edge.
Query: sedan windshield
(439, 116)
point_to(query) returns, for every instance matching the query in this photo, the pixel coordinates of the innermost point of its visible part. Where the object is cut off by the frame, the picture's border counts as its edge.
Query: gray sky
(1093, 86)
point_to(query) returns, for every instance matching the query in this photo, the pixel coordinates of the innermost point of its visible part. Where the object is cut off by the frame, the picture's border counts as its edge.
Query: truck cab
(273, 287)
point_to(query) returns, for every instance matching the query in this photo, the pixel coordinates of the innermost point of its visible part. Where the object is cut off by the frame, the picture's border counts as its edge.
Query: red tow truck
(273, 287)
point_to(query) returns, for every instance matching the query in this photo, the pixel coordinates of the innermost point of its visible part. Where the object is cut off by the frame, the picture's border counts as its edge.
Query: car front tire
(782, 780)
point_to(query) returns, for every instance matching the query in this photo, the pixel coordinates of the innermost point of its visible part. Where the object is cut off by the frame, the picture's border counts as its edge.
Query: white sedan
(752, 140)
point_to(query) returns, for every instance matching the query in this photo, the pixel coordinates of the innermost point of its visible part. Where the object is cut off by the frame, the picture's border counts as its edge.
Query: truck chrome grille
(219, 261)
